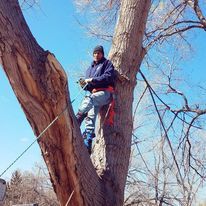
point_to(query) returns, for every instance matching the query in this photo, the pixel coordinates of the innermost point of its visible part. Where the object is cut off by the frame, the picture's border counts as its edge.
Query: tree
(40, 85)
(15, 186)
(28, 187)
(178, 146)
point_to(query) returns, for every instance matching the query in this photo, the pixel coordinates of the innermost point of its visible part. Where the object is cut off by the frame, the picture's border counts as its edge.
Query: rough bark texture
(114, 143)
(40, 85)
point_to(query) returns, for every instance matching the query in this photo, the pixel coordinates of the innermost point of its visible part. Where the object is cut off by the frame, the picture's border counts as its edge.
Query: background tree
(29, 187)
(15, 185)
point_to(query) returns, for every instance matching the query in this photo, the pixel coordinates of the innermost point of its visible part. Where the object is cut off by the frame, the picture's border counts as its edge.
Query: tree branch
(195, 5)
(40, 85)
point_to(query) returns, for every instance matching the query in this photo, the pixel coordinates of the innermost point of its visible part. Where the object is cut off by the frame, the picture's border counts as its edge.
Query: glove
(81, 82)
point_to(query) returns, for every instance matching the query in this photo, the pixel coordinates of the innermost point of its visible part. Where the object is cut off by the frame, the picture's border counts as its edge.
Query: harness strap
(109, 117)
(109, 89)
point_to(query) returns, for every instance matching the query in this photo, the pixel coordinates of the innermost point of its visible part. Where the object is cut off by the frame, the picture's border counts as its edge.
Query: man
(100, 83)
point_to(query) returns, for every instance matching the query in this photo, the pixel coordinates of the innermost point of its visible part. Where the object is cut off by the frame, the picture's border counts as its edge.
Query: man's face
(97, 56)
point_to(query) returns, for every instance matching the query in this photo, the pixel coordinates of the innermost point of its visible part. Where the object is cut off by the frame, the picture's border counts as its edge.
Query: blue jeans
(91, 105)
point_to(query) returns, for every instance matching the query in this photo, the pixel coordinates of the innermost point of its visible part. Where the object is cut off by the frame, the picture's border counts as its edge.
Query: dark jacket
(102, 74)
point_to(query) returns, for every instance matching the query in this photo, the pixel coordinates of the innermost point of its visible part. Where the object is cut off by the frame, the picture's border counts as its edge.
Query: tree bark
(114, 143)
(40, 85)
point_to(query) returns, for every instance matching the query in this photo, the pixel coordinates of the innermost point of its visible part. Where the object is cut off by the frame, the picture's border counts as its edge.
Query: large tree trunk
(40, 85)
(114, 143)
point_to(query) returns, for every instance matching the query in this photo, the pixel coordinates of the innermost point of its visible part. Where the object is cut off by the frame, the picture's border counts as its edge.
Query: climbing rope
(39, 136)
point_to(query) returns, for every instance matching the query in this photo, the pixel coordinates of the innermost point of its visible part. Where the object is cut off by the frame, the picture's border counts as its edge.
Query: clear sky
(55, 27)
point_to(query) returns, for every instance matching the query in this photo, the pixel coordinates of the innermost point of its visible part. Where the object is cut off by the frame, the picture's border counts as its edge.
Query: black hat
(99, 48)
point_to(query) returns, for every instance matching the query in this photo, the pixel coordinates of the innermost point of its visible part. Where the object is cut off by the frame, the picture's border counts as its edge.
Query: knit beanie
(99, 48)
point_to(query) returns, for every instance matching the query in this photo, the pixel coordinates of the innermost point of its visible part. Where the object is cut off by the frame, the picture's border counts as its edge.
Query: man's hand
(88, 80)
(81, 82)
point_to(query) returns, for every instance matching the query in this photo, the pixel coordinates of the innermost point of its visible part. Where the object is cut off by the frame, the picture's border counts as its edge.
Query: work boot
(80, 117)
(88, 136)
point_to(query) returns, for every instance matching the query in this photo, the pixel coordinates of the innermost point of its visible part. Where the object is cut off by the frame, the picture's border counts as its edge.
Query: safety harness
(109, 117)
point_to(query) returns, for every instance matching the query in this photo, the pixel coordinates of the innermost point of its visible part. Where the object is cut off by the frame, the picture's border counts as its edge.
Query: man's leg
(89, 134)
(92, 107)
(85, 106)
(98, 99)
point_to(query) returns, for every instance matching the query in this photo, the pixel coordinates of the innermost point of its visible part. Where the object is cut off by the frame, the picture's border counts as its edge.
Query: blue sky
(55, 27)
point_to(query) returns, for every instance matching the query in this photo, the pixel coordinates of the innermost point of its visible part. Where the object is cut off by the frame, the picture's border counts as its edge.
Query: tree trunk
(40, 85)
(114, 143)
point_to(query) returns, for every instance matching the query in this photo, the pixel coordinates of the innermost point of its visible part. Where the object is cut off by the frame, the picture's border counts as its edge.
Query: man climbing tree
(40, 85)
(100, 82)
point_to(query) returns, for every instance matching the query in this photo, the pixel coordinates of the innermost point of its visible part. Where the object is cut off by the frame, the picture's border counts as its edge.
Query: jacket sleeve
(107, 77)
(88, 87)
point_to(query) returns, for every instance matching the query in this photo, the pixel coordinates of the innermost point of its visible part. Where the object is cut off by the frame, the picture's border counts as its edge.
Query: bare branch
(195, 5)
